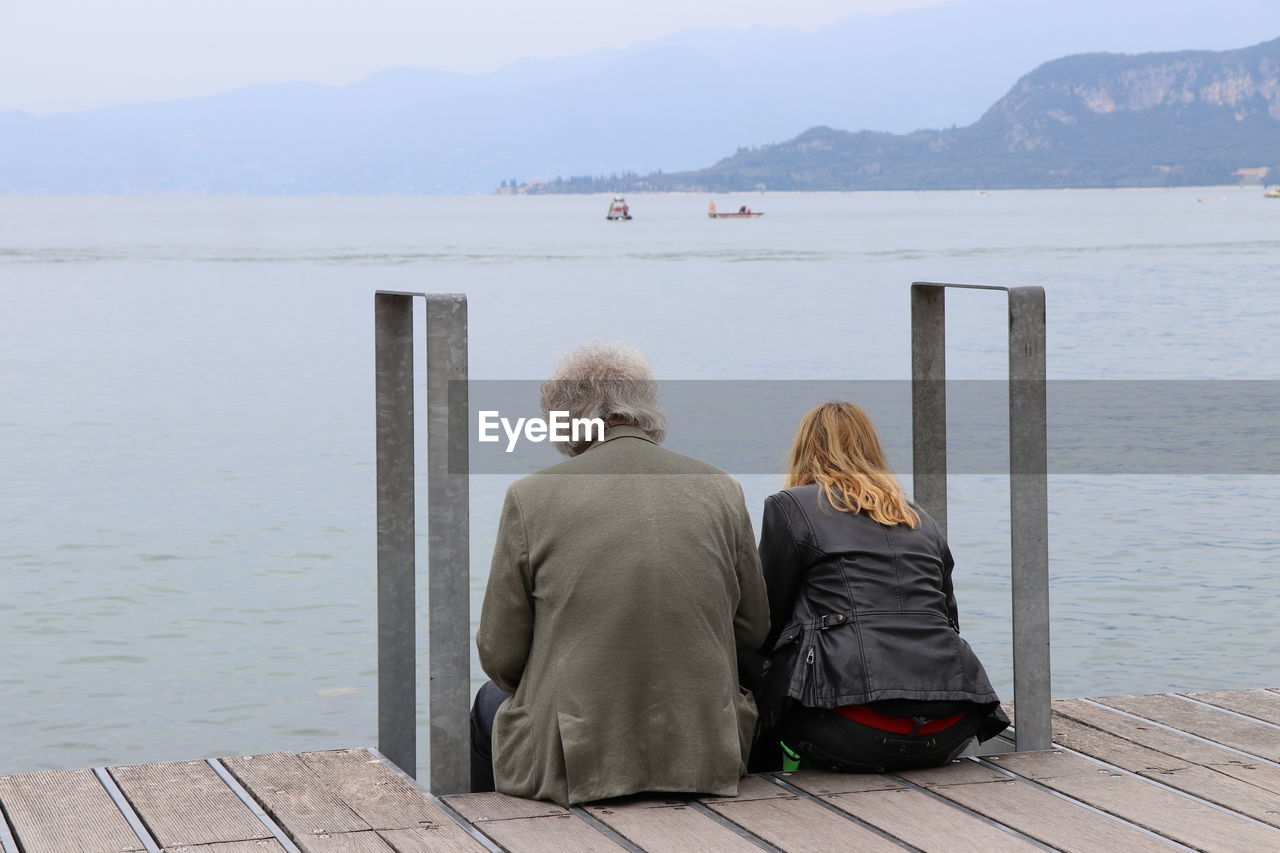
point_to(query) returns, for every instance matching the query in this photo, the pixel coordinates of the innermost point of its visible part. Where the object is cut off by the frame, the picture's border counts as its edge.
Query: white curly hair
(607, 380)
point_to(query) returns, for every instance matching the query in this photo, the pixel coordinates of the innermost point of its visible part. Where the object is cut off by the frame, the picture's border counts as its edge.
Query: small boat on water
(743, 212)
(1273, 192)
(618, 210)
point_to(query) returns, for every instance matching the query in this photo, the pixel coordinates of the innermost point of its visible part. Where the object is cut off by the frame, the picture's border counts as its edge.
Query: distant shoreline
(601, 193)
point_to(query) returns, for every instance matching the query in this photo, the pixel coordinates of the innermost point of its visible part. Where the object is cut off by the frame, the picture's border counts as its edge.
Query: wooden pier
(1197, 771)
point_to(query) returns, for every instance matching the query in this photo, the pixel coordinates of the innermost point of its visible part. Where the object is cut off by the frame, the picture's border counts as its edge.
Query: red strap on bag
(897, 725)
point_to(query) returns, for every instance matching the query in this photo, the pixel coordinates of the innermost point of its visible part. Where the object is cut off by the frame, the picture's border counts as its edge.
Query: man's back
(623, 581)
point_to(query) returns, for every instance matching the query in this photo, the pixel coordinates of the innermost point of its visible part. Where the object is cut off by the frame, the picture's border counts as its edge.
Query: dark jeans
(833, 742)
(483, 710)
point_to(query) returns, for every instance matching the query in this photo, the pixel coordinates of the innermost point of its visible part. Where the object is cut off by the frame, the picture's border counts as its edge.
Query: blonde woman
(864, 667)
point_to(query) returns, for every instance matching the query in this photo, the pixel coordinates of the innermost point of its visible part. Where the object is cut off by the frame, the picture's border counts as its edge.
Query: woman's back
(864, 667)
(861, 564)
(863, 612)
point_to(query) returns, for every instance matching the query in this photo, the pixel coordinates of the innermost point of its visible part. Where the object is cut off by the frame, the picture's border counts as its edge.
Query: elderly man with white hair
(623, 583)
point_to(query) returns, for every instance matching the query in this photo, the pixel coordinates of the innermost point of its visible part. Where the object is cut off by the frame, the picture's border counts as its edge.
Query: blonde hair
(836, 447)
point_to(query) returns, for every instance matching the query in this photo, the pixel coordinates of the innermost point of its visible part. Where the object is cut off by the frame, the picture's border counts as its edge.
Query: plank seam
(1215, 768)
(605, 830)
(135, 821)
(739, 831)
(1171, 789)
(1212, 768)
(1223, 710)
(8, 840)
(557, 816)
(992, 821)
(1256, 759)
(803, 794)
(1090, 808)
(461, 821)
(436, 801)
(245, 797)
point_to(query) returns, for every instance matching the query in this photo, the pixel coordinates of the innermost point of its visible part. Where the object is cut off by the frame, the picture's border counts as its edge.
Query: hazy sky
(72, 54)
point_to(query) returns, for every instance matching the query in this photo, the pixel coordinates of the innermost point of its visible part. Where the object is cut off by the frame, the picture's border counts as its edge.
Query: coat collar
(622, 431)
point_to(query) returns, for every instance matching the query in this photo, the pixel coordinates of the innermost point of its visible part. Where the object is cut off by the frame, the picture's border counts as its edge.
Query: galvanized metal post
(397, 656)
(1029, 524)
(448, 536)
(448, 528)
(929, 400)
(1028, 477)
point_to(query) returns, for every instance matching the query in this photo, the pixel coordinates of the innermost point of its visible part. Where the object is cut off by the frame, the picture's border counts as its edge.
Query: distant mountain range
(675, 104)
(1095, 120)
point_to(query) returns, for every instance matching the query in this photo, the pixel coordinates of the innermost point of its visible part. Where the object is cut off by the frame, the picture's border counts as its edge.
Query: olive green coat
(623, 582)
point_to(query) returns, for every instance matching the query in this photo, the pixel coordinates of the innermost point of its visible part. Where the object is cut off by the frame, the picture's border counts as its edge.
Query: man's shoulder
(688, 464)
(625, 456)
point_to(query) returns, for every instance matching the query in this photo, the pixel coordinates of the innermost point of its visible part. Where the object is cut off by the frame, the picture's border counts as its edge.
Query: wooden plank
(1177, 817)
(1176, 744)
(1230, 793)
(494, 806)
(1265, 776)
(823, 782)
(1204, 782)
(929, 824)
(566, 833)
(1256, 738)
(518, 824)
(1049, 764)
(962, 771)
(755, 787)
(65, 811)
(295, 797)
(260, 846)
(1261, 704)
(343, 842)
(382, 797)
(1142, 803)
(1112, 748)
(1156, 737)
(801, 825)
(185, 803)
(658, 826)
(426, 840)
(1051, 820)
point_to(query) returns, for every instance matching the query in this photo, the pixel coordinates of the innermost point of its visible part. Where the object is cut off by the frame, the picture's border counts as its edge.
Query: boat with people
(1272, 192)
(742, 212)
(618, 210)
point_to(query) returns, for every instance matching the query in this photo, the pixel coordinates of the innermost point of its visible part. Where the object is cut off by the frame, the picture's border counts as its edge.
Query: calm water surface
(186, 419)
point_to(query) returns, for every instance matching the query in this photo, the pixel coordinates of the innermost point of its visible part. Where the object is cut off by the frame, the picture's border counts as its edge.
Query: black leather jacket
(861, 612)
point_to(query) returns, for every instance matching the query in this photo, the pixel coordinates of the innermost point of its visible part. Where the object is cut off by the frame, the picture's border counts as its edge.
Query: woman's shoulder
(926, 520)
(797, 500)
(791, 509)
(797, 492)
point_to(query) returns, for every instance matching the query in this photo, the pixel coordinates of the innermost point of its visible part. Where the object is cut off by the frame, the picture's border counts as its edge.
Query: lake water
(186, 418)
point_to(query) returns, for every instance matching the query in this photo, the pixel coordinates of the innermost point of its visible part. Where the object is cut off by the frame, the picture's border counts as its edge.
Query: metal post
(448, 527)
(448, 536)
(929, 400)
(1029, 524)
(397, 683)
(1028, 477)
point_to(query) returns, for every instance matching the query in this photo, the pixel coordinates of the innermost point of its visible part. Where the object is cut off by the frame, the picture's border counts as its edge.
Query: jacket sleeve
(948, 588)
(506, 618)
(751, 620)
(782, 563)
